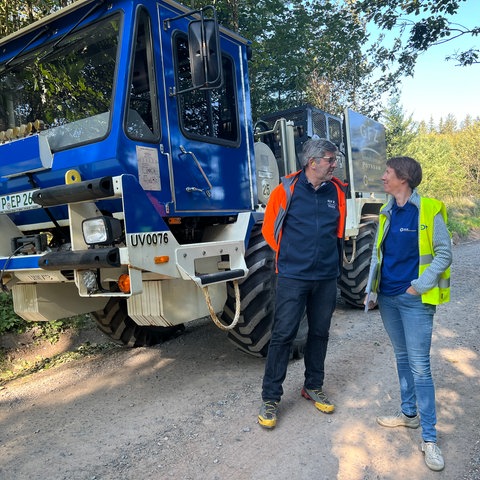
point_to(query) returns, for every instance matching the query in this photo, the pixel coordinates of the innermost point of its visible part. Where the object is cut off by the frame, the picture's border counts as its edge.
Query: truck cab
(106, 89)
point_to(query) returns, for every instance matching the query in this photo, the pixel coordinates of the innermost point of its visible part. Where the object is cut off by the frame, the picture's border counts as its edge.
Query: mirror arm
(168, 21)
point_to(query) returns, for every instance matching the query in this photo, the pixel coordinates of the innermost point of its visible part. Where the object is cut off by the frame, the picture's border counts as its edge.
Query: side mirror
(205, 53)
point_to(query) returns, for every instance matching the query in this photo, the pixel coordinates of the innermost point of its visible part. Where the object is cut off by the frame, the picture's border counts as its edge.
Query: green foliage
(9, 320)
(450, 159)
(51, 331)
(400, 130)
(448, 152)
(419, 25)
(466, 142)
(463, 215)
(15, 14)
(442, 174)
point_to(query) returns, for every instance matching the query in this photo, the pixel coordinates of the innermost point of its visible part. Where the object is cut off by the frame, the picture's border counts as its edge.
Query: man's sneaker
(399, 420)
(433, 456)
(321, 400)
(267, 417)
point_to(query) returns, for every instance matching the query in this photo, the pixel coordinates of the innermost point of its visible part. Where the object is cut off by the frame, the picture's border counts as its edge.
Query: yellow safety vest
(429, 207)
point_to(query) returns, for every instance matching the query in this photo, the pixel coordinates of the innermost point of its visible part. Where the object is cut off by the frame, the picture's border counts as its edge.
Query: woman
(409, 276)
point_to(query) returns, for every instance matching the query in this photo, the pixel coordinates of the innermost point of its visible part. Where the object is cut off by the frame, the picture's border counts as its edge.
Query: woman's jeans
(318, 297)
(409, 324)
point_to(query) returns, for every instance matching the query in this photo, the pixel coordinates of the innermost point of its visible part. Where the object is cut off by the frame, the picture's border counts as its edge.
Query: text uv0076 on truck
(132, 180)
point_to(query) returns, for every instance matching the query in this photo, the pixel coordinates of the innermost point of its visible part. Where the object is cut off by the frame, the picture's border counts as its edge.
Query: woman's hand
(370, 301)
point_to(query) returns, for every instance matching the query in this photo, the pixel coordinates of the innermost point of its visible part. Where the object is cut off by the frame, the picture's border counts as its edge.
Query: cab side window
(142, 121)
(205, 113)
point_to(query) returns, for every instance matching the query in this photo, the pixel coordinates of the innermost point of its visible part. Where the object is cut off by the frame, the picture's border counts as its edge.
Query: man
(304, 223)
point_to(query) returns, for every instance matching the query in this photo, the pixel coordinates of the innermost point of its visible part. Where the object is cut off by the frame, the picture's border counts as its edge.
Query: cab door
(208, 140)
(145, 149)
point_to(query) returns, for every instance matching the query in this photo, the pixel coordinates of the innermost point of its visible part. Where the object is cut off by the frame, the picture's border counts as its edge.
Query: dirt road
(187, 409)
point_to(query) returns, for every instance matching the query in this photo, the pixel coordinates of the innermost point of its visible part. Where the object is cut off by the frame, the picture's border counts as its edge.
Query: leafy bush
(463, 215)
(438, 159)
(9, 320)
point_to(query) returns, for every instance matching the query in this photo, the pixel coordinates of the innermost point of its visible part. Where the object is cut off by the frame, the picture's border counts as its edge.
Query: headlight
(101, 230)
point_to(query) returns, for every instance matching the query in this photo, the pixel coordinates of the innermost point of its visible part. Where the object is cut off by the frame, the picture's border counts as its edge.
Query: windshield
(65, 92)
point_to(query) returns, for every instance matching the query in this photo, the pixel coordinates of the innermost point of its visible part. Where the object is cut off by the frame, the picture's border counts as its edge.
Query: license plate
(16, 202)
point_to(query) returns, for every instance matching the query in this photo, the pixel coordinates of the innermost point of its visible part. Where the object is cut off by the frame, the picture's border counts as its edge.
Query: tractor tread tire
(354, 276)
(114, 321)
(257, 302)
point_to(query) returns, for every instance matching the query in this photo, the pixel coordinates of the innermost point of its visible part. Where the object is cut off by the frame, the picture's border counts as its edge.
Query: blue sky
(439, 87)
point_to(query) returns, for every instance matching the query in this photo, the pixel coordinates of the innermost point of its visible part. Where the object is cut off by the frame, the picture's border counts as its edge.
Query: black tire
(354, 276)
(114, 321)
(257, 295)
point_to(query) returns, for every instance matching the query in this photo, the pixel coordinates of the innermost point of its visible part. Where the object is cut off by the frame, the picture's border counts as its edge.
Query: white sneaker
(399, 420)
(433, 456)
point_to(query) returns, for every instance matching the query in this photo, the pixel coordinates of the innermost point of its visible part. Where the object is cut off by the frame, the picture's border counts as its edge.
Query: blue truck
(133, 179)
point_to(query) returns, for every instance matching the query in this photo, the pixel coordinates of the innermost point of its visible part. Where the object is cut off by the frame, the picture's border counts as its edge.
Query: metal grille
(319, 122)
(334, 130)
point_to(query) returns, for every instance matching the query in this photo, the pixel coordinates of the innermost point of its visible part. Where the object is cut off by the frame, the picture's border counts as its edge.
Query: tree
(448, 124)
(443, 176)
(466, 143)
(15, 14)
(308, 52)
(400, 130)
(425, 23)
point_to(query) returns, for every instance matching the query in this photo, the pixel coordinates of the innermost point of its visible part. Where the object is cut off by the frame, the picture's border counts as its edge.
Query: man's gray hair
(317, 148)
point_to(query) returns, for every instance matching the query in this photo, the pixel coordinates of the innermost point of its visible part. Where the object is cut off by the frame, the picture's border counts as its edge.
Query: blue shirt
(309, 245)
(400, 251)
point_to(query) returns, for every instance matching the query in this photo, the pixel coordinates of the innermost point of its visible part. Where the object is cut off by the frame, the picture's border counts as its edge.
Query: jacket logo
(332, 203)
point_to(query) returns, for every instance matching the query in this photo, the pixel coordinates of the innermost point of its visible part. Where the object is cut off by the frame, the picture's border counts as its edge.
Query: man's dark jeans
(292, 297)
